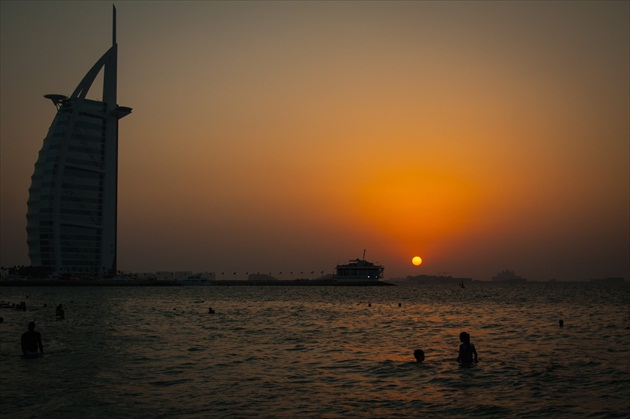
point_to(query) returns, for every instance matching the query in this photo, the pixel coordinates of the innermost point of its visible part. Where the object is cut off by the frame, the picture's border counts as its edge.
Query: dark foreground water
(318, 352)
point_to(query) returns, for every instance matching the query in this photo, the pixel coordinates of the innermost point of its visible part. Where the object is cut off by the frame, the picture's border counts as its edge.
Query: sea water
(318, 352)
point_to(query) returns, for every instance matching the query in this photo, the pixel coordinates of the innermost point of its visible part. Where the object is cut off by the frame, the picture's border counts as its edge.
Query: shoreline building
(72, 204)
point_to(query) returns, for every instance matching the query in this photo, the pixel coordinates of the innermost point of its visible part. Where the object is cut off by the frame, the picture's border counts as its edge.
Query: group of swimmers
(19, 306)
(32, 346)
(467, 352)
(32, 342)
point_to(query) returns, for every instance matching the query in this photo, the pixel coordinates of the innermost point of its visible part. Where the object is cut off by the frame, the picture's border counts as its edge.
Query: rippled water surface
(326, 352)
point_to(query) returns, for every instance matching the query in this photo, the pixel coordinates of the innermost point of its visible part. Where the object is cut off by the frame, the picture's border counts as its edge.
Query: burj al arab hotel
(72, 204)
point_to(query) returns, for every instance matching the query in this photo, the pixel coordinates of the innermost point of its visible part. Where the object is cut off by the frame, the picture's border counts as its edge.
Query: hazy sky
(290, 136)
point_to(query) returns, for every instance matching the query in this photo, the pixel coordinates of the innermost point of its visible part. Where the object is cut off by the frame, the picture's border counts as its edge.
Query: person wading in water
(467, 351)
(32, 342)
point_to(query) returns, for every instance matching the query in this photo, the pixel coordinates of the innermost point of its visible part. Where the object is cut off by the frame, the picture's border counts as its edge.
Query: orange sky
(290, 136)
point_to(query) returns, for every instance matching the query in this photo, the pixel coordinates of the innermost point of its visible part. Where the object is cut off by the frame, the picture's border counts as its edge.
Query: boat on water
(358, 270)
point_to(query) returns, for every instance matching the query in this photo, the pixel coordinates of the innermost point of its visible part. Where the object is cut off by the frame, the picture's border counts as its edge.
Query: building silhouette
(72, 204)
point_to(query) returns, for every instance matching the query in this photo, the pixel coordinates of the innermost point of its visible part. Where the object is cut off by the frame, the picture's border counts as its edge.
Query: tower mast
(114, 27)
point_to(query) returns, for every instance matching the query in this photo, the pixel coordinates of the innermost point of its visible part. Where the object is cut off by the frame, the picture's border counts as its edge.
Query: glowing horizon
(291, 136)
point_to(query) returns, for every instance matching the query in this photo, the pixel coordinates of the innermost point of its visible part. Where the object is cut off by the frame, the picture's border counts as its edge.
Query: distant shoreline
(209, 283)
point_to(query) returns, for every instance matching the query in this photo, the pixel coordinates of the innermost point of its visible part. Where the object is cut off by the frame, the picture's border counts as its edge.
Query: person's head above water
(464, 337)
(419, 355)
(31, 326)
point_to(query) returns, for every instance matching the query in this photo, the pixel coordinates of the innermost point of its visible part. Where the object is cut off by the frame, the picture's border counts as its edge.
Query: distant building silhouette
(508, 276)
(72, 204)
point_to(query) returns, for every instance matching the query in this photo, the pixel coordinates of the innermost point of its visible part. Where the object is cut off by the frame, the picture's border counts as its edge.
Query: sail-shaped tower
(72, 204)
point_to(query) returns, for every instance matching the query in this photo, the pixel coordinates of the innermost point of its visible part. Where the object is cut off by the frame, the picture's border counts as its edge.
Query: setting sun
(417, 260)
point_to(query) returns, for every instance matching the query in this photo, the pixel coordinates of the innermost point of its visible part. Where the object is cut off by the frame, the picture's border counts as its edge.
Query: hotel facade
(72, 204)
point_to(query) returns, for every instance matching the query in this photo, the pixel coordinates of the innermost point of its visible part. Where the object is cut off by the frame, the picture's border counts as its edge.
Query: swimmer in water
(60, 313)
(419, 355)
(32, 342)
(467, 351)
